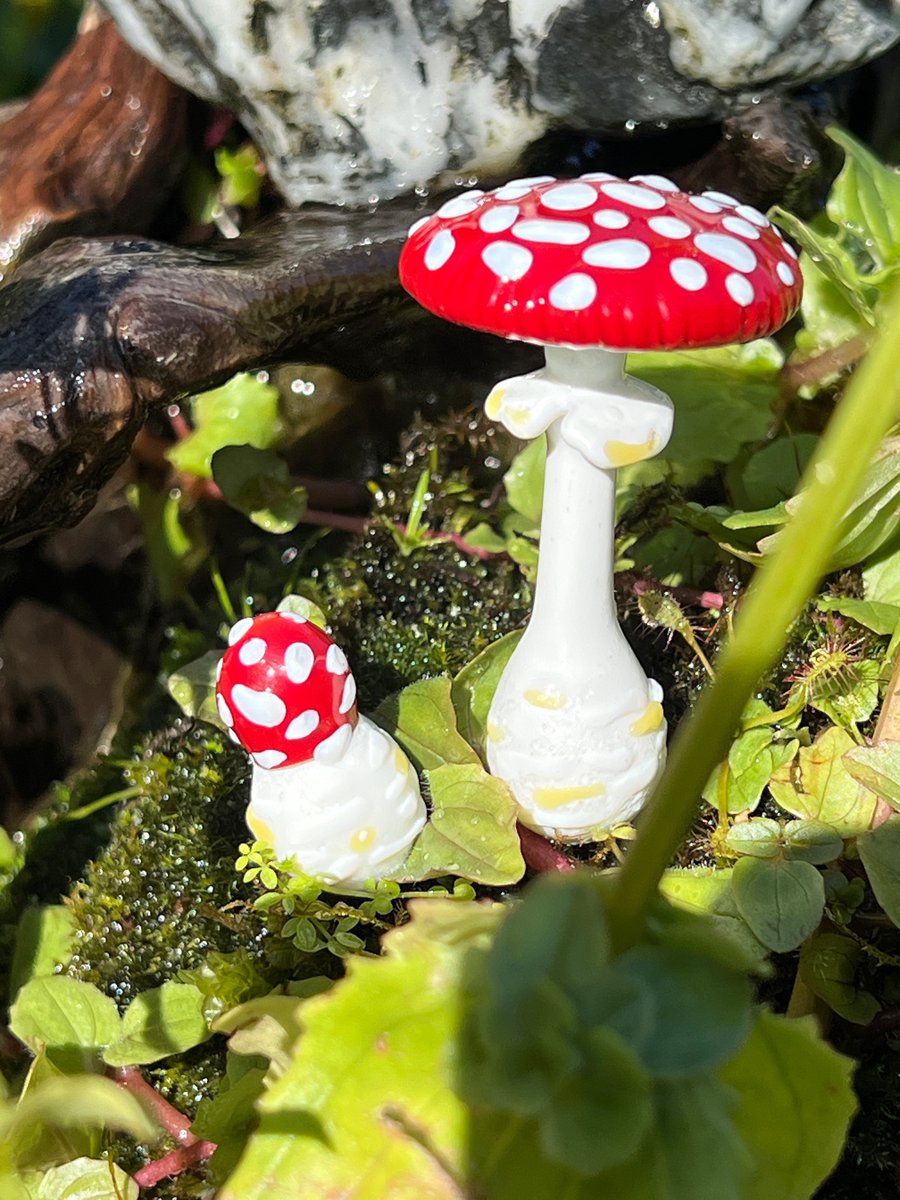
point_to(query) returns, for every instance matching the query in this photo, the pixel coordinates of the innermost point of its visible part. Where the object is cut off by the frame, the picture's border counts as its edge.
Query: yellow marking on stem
(495, 732)
(494, 403)
(622, 454)
(362, 838)
(544, 699)
(650, 719)
(260, 830)
(556, 797)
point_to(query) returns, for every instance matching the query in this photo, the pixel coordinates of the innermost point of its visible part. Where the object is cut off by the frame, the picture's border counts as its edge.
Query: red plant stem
(683, 595)
(174, 1163)
(175, 1123)
(539, 854)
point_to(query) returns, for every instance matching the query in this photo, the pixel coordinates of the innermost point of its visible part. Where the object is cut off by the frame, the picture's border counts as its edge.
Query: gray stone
(356, 100)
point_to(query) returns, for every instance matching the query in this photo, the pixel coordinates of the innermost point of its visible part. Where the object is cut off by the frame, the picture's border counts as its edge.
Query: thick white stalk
(345, 821)
(576, 729)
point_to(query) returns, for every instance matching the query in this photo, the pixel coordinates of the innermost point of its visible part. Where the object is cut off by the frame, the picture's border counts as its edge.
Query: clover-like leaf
(760, 837)
(812, 841)
(781, 901)
(193, 688)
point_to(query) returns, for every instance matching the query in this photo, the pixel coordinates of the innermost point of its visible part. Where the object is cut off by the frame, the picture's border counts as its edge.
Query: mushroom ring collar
(329, 788)
(591, 268)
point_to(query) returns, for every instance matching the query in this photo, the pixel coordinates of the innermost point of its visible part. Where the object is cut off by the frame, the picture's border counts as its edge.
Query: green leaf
(244, 411)
(301, 607)
(242, 175)
(874, 517)
(43, 942)
(258, 484)
(691, 1116)
(163, 1021)
(227, 1117)
(708, 891)
(782, 902)
(423, 721)
(877, 768)
(9, 855)
(828, 964)
(612, 1094)
(471, 831)
(880, 853)
(367, 1108)
(473, 688)
(723, 397)
(73, 1101)
(701, 1008)
(865, 199)
(64, 1013)
(771, 474)
(759, 837)
(266, 1026)
(86, 1179)
(812, 841)
(193, 688)
(795, 1102)
(881, 577)
(524, 481)
(871, 614)
(753, 758)
(819, 786)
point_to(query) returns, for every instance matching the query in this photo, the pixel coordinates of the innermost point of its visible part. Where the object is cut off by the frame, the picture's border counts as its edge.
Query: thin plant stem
(782, 586)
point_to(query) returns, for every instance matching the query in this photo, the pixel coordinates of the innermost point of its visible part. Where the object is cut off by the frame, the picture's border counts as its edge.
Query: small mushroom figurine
(590, 268)
(329, 788)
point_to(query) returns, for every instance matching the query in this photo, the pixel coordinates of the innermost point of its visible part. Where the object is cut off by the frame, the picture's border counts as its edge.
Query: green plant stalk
(781, 587)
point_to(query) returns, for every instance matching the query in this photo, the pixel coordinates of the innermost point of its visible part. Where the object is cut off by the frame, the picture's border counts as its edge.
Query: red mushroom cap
(285, 691)
(599, 261)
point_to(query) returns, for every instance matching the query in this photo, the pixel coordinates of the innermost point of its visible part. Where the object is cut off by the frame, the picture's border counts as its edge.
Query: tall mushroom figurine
(329, 788)
(591, 268)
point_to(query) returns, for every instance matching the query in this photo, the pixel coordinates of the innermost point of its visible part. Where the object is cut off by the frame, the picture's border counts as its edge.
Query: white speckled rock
(353, 99)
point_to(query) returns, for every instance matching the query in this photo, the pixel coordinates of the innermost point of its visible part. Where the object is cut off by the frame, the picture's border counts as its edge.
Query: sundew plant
(697, 1008)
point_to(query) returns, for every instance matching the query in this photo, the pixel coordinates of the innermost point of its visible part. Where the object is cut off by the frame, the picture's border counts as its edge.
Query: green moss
(149, 905)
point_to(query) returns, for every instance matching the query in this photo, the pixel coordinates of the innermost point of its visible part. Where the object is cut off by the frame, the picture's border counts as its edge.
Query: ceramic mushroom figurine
(591, 268)
(329, 787)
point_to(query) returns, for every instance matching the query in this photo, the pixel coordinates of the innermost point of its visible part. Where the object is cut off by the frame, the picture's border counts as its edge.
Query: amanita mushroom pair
(590, 268)
(329, 788)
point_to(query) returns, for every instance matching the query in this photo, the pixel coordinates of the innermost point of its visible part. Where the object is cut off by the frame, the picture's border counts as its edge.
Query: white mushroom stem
(576, 728)
(344, 821)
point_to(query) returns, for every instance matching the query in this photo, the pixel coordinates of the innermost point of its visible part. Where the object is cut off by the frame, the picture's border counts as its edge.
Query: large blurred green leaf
(367, 1109)
(795, 1102)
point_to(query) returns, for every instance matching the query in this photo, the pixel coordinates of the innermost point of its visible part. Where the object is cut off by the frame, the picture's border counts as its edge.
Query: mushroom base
(579, 758)
(343, 822)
